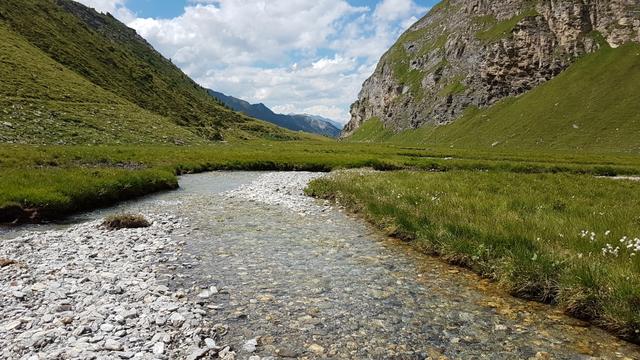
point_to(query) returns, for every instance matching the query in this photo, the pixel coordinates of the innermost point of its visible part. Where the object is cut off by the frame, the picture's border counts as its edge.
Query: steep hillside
(302, 122)
(472, 54)
(592, 106)
(113, 57)
(43, 102)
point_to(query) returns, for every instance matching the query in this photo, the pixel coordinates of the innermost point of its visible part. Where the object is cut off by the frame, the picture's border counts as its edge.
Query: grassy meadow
(58, 180)
(566, 239)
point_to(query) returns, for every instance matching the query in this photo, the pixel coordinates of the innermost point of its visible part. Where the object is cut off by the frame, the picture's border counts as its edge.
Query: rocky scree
(284, 189)
(89, 292)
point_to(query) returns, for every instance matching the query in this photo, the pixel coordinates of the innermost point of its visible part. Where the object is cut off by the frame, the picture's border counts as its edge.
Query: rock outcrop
(468, 53)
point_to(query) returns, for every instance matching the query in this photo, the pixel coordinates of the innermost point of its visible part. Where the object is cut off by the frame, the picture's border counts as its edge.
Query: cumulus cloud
(303, 56)
(244, 32)
(116, 8)
(325, 87)
(396, 10)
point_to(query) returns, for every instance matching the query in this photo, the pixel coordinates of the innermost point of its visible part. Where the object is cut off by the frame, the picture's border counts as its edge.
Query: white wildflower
(609, 249)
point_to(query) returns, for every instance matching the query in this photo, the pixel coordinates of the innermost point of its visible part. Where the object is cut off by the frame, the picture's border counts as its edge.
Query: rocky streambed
(244, 266)
(89, 292)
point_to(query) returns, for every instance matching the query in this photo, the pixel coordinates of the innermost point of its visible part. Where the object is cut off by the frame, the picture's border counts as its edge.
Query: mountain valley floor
(544, 226)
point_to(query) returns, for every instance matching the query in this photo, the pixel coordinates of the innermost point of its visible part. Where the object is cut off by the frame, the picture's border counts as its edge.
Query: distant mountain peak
(314, 124)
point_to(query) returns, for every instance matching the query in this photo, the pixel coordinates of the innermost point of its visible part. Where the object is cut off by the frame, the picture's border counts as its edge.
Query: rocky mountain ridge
(467, 54)
(296, 122)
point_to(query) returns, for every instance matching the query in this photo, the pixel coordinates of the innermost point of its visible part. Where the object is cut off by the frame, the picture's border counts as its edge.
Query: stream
(292, 277)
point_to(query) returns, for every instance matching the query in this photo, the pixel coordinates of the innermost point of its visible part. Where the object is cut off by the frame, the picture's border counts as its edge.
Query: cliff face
(476, 52)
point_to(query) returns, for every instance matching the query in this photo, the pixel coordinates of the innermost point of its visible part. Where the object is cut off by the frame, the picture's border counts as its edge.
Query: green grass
(59, 180)
(53, 192)
(593, 107)
(522, 230)
(370, 131)
(453, 88)
(501, 29)
(100, 60)
(42, 101)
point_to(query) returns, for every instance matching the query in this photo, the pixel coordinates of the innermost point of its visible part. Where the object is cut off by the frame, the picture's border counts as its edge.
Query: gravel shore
(87, 292)
(281, 189)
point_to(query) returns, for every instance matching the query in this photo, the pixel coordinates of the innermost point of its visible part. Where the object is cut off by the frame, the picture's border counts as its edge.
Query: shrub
(125, 221)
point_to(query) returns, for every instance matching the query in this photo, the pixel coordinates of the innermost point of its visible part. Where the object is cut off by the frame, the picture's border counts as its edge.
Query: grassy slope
(41, 100)
(522, 230)
(500, 29)
(594, 106)
(112, 56)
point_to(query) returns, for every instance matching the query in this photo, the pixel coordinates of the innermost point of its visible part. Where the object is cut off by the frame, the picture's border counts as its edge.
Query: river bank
(41, 183)
(567, 240)
(87, 292)
(250, 262)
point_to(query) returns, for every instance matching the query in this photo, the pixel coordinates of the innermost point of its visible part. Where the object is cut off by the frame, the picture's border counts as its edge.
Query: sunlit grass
(55, 192)
(63, 179)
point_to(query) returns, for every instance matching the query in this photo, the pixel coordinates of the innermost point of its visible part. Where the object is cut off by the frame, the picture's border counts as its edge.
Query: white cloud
(396, 10)
(303, 56)
(244, 32)
(325, 87)
(116, 8)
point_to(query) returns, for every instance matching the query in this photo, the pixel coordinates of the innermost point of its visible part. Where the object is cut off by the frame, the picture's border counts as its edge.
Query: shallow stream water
(323, 284)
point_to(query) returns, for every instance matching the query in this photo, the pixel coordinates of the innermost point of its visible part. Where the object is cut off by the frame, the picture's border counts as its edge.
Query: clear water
(330, 280)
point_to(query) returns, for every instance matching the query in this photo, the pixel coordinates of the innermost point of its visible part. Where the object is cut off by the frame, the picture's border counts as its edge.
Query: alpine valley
(483, 201)
(301, 122)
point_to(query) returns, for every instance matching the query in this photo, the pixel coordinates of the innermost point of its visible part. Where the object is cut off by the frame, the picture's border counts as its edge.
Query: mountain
(475, 59)
(336, 124)
(43, 102)
(307, 123)
(593, 106)
(110, 81)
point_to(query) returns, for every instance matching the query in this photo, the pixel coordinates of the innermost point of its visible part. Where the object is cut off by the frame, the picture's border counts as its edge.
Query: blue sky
(296, 56)
(172, 8)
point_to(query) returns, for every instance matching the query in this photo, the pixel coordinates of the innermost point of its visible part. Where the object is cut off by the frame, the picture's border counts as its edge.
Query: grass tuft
(125, 221)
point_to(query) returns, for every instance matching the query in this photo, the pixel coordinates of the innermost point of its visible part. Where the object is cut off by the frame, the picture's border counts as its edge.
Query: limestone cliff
(475, 52)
